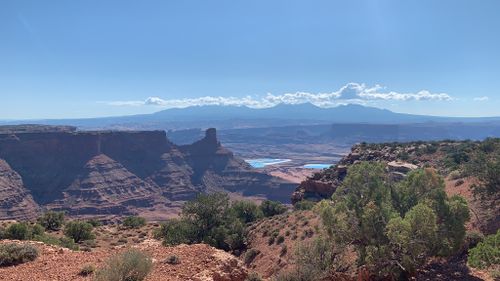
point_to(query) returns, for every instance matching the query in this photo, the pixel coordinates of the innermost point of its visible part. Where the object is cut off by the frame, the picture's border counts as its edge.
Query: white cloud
(349, 93)
(485, 98)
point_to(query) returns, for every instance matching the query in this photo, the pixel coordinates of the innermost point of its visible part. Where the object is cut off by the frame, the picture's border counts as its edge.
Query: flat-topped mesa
(48, 162)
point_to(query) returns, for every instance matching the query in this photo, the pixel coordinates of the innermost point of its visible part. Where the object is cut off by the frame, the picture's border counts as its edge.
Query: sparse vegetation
(14, 253)
(173, 259)
(134, 222)
(131, 265)
(272, 208)
(485, 165)
(250, 256)
(253, 277)
(87, 270)
(208, 219)
(79, 231)
(280, 239)
(304, 205)
(246, 211)
(19, 231)
(52, 220)
(313, 261)
(486, 253)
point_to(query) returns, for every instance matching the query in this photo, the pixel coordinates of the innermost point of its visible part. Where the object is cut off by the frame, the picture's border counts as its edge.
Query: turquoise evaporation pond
(317, 166)
(262, 162)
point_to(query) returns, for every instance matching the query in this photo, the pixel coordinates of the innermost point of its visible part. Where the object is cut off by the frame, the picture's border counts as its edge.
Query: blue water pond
(262, 162)
(317, 166)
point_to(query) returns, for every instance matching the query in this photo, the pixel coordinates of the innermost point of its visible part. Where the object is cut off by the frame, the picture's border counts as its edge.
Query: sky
(89, 58)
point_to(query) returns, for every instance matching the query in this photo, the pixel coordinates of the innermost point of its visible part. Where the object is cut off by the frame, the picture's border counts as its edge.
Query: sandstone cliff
(15, 201)
(117, 173)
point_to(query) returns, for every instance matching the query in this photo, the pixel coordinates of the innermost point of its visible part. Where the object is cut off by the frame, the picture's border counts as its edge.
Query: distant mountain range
(230, 117)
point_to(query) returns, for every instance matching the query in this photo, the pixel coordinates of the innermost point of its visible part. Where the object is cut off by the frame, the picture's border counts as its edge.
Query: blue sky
(61, 59)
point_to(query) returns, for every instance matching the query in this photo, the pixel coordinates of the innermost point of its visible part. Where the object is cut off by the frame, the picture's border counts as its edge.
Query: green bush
(246, 211)
(79, 231)
(304, 205)
(134, 222)
(408, 221)
(13, 253)
(94, 222)
(57, 241)
(52, 220)
(486, 253)
(18, 231)
(175, 232)
(271, 208)
(23, 231)
(280, 239)
(131, 265)
(250, 256)
(206, 219)
(313, 261)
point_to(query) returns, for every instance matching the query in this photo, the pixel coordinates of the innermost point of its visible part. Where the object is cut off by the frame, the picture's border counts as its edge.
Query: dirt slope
(197, 262)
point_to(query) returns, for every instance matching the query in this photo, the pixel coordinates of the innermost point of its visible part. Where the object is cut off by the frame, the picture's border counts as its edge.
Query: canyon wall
(121, 172)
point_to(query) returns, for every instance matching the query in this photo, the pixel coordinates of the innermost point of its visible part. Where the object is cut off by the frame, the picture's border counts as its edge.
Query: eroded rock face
(106, 187)
(16, 201)
(115, 173)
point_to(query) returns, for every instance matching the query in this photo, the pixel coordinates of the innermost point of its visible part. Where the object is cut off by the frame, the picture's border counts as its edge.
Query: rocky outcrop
(15, 201)
(322, 185)
(116, 173)
(216, 168)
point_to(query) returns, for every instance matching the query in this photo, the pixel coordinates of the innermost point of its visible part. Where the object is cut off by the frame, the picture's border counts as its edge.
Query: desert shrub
(52, 220)
(486, 253)
(283, 250)
(23, 231)
(94, 222)
(57, 241)
(206, 219)
(134, 222)
(431, 148)
(176, 231)
(485, 166)
(18, 231)
(271, 208)
(455, 175)
(173, 259)
(87, 270)
(313, 261)
(280, 239)
(79, 231)
(131, 265)
(304, 205)
(13, 253)
(246, 211)
(473, 238)
(271, 240)
(253, 277)
(250, 256)
(394, 228)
